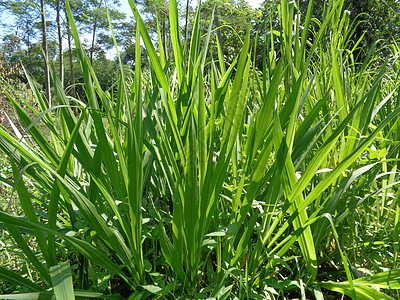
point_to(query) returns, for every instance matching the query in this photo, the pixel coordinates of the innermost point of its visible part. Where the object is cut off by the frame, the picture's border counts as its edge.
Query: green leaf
(13, 277)
(50, 296)
(152, 288)
(62, 281)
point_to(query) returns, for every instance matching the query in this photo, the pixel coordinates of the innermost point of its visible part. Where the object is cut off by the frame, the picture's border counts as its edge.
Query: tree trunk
(71, 60)
(93, 40)
(96, 20)
(46, 52)
(60, 46)
(219, 36)
(28, 45)
(186, 21)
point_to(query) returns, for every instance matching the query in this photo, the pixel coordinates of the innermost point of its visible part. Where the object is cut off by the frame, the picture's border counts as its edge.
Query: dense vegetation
(265, 174)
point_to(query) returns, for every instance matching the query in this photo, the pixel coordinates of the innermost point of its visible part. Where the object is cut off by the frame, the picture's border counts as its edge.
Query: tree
(60, 44)
(26, 15)
(46, 52)
(374, 20)
(156, 13)
(232, 19)
(71, 59)
(186, 18)
(31, 25)
(11, 44)
(93, 15)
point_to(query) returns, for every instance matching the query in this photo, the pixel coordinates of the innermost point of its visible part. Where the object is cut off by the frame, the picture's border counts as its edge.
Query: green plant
(211, 181)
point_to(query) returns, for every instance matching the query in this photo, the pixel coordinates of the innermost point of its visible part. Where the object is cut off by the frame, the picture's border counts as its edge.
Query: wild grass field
(198, 179)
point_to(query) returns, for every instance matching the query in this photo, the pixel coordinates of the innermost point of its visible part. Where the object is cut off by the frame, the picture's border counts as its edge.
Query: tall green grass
(212, 182)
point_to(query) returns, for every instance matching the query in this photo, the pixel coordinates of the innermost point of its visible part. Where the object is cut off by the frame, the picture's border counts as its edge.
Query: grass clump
(212, 181)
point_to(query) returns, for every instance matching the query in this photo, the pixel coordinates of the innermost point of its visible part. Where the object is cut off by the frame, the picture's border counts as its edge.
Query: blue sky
(125, 5)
